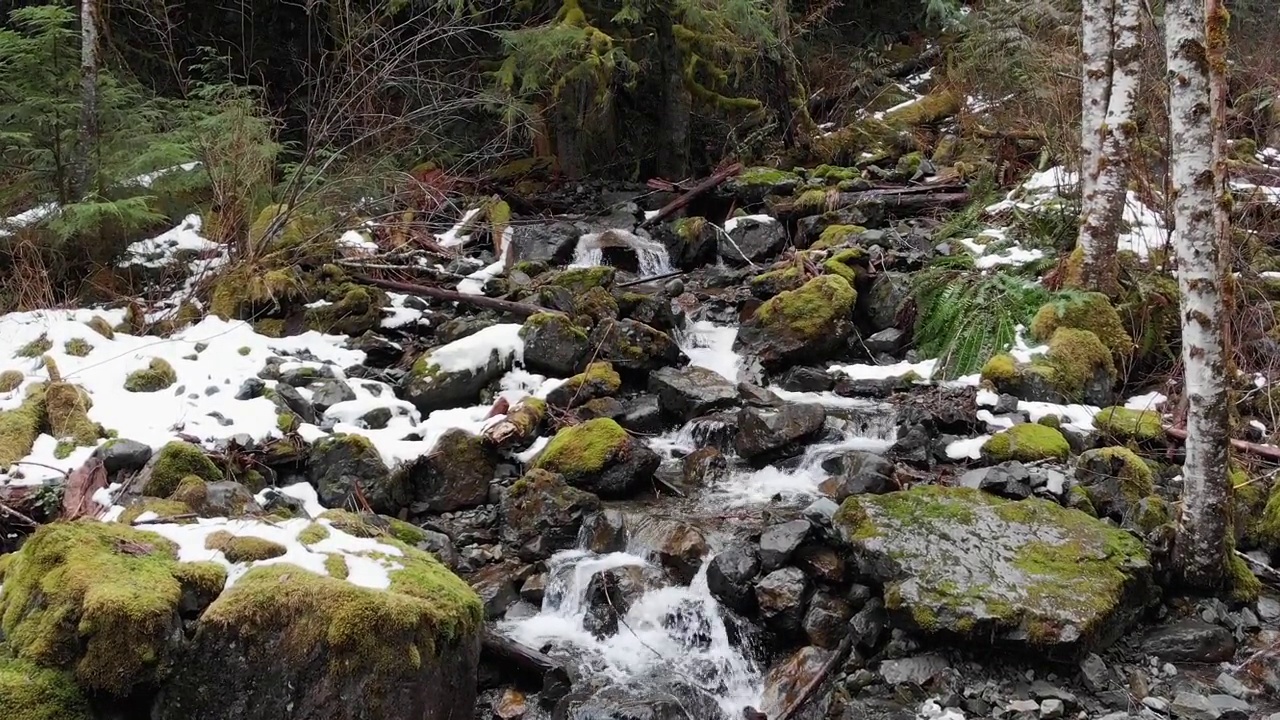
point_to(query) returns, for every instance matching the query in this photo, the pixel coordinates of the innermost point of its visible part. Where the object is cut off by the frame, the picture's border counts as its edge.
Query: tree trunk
(1200, 551)
(674, 114)
(570, 136)
(81, 173)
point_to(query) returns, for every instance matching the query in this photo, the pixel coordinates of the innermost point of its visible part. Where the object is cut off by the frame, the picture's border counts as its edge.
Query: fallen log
(914, 199)
(519, 427)
(506, 306)
(537, 667)
(816, 682)
(641, 281)
(1267, 451)
(697, 191)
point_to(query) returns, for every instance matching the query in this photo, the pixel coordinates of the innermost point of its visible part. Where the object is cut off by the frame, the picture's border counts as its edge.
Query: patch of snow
(475, 351)
(159, 251)
(970, 449)
(1012, 256)
(1147, 401)
(924, 369)
(473, 284)
(732, 223)
(357, 241)
(1259, 426)
(454, 236)
(27, 217)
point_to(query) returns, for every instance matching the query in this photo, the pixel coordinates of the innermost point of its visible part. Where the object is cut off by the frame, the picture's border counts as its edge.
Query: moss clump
(287, 422)
(100, 599)
(599, 379)
(1136, 479)
(836, 173)
(1152, 514)
(30, 692)
(1267, 529)
(66, 407)
(158, 376)
(811, 201)
(313, 533)
(689, 228)
(1078, 499)
(846, 264)
(351, 310)
(1084, 311)
(1026, 442)
(1125, 424)
(20, 427)
(837, 236)
(243, 549)
(584, 449)
(101, 326)
(310, 615)
(765, 176)
(1243, 584)
(406, 533)
(532, 268)
(767, 284)
(160, 506)
(173, 463)
(596, 305)
(1077, 357)
(35, 348)
(192, 492)
(77, 347)
(811, 311)
(579, 280)
(336, 566)
(11, 380)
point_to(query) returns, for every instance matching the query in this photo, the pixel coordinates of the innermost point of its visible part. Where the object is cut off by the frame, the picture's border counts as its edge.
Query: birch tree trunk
(82, 164)
(1095, 79)
(1200, 551)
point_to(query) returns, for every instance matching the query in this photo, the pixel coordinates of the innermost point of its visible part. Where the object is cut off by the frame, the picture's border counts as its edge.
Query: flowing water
(652, 256)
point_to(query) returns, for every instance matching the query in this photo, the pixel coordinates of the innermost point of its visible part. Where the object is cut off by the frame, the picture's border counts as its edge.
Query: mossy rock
(35, 348)
(1266, 530)
(1028, 574)
(296, 641)
(553, 344)
(1124, 424)
(162, 507)
(186, 314)
(20, 427)
(834, 236)
(173, 463)
(454, 475)
(1116, 479)
(344, 467)
(597, 381)
(351, 310)
(251, 291)
(1084, 311)
(789, 277)
(1027, 442)
(600, 457)
(1078, 365)
(633, 346)
(595, 305)
(542, 514)
(31, 692)
(809, 323)
(77, 347)
(579, 280)
(99, 325)
(100, 600)
(66, 407)
(239, 549)
(11, 380)
(158, 375)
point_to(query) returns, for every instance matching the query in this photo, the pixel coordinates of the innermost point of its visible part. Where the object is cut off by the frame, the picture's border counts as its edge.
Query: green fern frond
(964, 317)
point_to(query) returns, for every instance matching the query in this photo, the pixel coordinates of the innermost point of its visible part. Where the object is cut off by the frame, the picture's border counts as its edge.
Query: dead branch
(642, 281)
(10, 512)
(914, 199)
(77, 499)
(506, 306)
(698, 190)
(1267, 451)
(552, 675)
(811, 688)
(166, 520)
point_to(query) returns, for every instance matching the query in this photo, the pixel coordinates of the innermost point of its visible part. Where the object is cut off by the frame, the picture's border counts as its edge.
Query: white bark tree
(1196, 155)
(82, 164)
(1111, 77)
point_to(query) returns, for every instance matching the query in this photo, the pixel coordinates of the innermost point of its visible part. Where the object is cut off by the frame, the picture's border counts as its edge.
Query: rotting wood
(538, 667)
(811, 688)
(916, 199)
(1267, 451)
(506, 306)
(697, 191)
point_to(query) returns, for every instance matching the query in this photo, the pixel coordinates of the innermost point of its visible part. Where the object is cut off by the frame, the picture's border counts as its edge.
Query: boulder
(781, 596)
(553, 242)
(339, 464)
(689, 392)
(553, 345)
(857, 473)
(787, 680)
(327, 393)
(806, 379)
(634, 346)
(691, 242)
(959, 561)
(1116, 480)
(541, 514)
(600, 457)
(1027, 442)
(454, 475)
(598, 380)
(287, 644)
(677, 545)
(1190, 641)
(730, 576)
(704, 466)
(804, 325)
(605, 531)
(431, 387)
(773, 432)
(750, 239)
(123, 455)
(778, 542)
(173, 463)
(881, 304)
(827, 620)
(611, 593)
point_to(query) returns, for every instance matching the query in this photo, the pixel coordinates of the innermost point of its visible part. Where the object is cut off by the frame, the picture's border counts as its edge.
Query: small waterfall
(710, 346)
(651, 256)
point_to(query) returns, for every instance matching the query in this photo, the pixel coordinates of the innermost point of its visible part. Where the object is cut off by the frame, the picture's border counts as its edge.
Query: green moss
(351, 310)
(811, 201)
(406, 533)
(597, 305)
(1137, 480)
(160, 506)
(766, 176)
(1153, 513)
(836, 236)
(101, 326)
(909, 164)
(545, 318)
(158, 376)
(1124, 424)
(351, 523)
(1073, 576)
(176, 461)
(1026, 442)
(336, 566)
(66, 409)
(812, 310)
(928, 504)
(532, 268)
(1243, 584)
(11, 380)
(269, 327)
(287, 422)
(30, 692)
(313, 533)
(833, 172)
(583, 449)
(835, 267)
(1084, 311)
(100, 599)
(770, 283)
(20, 427)
(243, 549)
(35, 348)
(77, 347)
(1076, 357)
(1052, 421)
(192, 492)
(1078, 499)
(63, 449)
(1267, 529)
(579, 280)
(689, 228)
(245, 350)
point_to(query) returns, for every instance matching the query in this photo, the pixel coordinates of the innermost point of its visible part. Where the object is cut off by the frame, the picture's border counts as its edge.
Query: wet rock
(1116, 480)
(889, 341)
(806, 379)
(339, 464)
(777, 543)
(678, 546)
(511, 705)
(757, 396)
(438, 544)
(820, 562)
(751, 239)
(304, 376)
(641, 414)
(827, 620)
(872, 387)
(286, 505)
(123, 455)
(1231, 686)
(730, 574)
(534, 589)
(869, 624)
(857, 473)
(376, 419)
(250, 388)
(429, 387)
(880, 305)
(634, 346)
(1230, 708)
(597, 380)
(608, 407)
(804, 325)
(1190, 641)
(600, 457)
(1193, 706)
(961, 561)
(689, 392)
(919, 670)
(496, 586)
(454, 475)
(541, 514)
(691, 242)
(288, 399)
(1095, 673)
(773, 432)
(327, 393)
(652, 310)
(1008, 480)
(605, 532)
(611, 593)
(780, 595)
(786, 681)
(650, 701)
(703, 467)
(553, 242)
(821, 511)
(553, 345)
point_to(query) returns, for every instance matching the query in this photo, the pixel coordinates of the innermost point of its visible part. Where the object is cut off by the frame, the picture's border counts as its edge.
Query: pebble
(1169, 669)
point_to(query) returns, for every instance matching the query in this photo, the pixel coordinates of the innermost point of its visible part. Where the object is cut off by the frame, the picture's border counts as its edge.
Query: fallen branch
(811, 688)
(916, 199)
(697, 191)
(1267, 451)
(642, 281)
(1261, 570)
(10, 512)
(552, 676)
(506, 306)
(166, 520)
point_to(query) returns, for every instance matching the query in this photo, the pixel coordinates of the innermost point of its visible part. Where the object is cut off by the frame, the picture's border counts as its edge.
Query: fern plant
(964, 317)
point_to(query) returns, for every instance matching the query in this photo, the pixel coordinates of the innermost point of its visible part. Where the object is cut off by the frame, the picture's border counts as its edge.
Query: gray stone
(1230, 708)
(1191, 706)
(1269, 609)
(633, 345)
(778, 543)
(857, 473)
(882, 302)
(821, 511)
(123, 455)
(496, 586)
(730, 574)
(806, 379)
(869, 624)
(553, 345)
(917, 670)
(688, 392)
(1022, 706)
(304, 376)
(703, 467)
(757, 396)
(287, 398)
(1190, 641)
(751, 239)
(553, 242)
(820, 562)
(888, 340)
(605, 531)
(250, 388)
(534, 589)
(376, 419)
(454, 475)
(1051, 709)
(952, 554)
(780, 595)
(1231, 686)
(1158, 704)
(771, 432)
(1008, 480)
(429, 388)
(827, 620)
(346, 467)
(678, 546)
(327, 393)
(541, 514)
